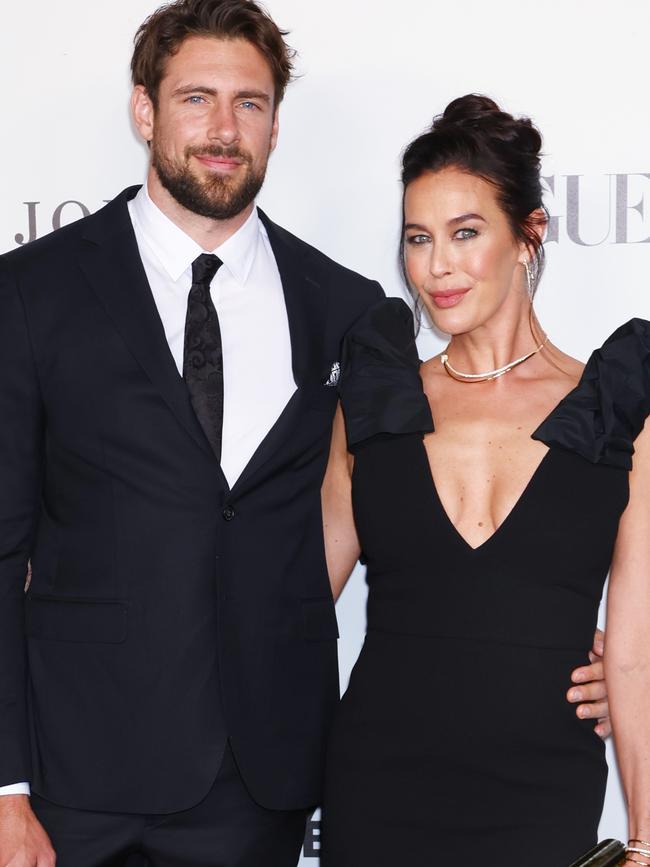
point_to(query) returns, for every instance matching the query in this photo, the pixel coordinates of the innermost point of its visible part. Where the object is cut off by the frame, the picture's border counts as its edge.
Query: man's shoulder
(318, 260)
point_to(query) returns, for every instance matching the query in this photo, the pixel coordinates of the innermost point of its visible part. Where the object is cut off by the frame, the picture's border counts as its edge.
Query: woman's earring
(530, 281)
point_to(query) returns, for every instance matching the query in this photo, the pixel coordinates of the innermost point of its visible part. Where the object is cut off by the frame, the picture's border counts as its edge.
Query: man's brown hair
(163, 33)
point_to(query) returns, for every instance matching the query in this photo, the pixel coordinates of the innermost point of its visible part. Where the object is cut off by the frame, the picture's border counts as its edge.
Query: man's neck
(208, 234)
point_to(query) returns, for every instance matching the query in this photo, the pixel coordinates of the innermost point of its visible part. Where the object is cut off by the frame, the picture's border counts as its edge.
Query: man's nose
(223, 125)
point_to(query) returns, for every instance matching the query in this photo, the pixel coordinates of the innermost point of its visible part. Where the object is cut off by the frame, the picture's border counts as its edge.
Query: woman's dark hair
(474, 135)
(163, 33)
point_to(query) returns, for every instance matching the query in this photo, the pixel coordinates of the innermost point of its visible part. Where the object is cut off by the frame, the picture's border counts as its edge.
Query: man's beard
(218, 197)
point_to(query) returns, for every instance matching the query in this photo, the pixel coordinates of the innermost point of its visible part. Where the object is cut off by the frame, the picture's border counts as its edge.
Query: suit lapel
(111, 263)
(306, 301)
(305, 298)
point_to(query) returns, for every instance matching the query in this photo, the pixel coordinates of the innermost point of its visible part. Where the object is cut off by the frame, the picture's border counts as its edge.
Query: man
(167, 378)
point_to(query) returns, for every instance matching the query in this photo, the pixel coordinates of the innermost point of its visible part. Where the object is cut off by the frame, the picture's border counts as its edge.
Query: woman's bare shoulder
(566, 365)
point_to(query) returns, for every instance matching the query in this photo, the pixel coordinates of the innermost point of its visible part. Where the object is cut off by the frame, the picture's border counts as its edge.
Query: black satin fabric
(381, 390)
(604, 414)
(454, 741)
(380, 385)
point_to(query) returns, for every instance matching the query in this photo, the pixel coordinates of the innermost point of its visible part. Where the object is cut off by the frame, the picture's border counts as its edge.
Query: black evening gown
(454, 742)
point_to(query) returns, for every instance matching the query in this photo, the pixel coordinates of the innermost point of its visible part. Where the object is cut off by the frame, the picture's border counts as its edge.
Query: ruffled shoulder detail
(380, 385)
(605, 412)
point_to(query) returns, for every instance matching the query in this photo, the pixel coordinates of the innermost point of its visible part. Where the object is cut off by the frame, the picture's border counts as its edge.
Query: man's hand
(591, 693)
(23, 841)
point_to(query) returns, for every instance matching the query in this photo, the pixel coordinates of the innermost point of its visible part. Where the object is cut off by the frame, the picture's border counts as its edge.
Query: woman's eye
(465, 234)
(417, 240)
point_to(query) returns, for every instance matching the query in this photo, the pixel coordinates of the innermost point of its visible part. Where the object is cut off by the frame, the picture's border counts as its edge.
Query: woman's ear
(536, 224)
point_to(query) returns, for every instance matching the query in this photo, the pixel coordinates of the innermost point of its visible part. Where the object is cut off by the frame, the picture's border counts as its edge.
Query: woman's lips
(448, 299)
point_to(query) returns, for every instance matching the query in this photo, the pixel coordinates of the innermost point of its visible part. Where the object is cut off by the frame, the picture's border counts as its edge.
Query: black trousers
(226, 829)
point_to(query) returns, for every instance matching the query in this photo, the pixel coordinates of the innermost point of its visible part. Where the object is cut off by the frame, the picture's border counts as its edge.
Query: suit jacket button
(228, 513)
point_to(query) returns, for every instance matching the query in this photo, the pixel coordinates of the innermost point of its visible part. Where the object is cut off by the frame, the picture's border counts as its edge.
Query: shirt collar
(176, 251)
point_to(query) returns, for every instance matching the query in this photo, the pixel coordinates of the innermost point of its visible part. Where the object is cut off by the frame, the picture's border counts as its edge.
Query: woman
(487, 489)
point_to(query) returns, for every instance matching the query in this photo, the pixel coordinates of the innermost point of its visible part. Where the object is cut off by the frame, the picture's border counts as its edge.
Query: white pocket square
(335, 375)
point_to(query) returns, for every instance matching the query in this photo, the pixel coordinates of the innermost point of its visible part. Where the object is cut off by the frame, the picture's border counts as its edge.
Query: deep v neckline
(524, 492)
(519, 502)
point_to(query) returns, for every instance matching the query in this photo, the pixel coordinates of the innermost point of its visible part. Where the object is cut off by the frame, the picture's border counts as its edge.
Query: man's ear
(143, 112)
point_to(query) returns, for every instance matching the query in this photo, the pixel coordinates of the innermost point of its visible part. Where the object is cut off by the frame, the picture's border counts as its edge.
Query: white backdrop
(373, 74)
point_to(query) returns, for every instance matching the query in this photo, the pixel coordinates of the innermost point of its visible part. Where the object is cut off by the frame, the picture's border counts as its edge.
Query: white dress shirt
(247, 294)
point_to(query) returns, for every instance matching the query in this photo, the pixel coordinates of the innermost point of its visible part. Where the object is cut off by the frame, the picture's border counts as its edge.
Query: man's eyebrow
(194, 88)
(253, 94)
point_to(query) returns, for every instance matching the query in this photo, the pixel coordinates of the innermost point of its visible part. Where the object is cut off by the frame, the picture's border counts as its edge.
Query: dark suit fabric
(166, 612)
(225, 829)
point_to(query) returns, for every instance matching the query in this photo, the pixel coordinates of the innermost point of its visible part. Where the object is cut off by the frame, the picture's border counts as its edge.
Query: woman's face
(460, 252)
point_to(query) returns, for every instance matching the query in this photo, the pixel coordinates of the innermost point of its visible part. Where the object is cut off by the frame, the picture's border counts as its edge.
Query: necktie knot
(204, 267)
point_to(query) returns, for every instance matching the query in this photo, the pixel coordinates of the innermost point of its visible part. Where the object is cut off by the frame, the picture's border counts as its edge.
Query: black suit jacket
(166, 612)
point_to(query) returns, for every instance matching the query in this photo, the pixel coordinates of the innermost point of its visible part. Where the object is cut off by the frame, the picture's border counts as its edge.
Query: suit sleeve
(21, 458)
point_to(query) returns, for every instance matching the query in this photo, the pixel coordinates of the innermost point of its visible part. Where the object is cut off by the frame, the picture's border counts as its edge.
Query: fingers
(604, 728)
(596, 710)
(593, 705)
(599, 643)
(588, 673)
(591, 696)
(594, 691)
(45, 856)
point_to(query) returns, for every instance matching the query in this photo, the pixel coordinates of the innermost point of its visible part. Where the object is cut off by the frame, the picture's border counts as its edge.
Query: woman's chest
(481, 468)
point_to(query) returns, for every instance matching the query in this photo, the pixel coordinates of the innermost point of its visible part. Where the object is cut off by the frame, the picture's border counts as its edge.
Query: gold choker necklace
(490, 374)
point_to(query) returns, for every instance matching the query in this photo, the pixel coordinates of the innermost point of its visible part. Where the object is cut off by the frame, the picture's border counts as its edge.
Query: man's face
(214, 126)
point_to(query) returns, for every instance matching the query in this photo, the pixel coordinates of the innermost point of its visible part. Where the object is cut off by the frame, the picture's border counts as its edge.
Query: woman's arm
(627, 657)
(342, 547)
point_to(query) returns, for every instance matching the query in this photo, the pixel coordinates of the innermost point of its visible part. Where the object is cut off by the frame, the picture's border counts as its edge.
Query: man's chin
(216, 190)
(215, 207)
(211, 194)
(228, 202)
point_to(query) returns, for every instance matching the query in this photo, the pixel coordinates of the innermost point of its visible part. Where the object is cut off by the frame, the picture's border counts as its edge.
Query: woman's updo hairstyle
(475, 136)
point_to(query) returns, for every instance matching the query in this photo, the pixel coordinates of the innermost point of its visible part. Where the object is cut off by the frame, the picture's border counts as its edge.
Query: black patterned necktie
(202, 354)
